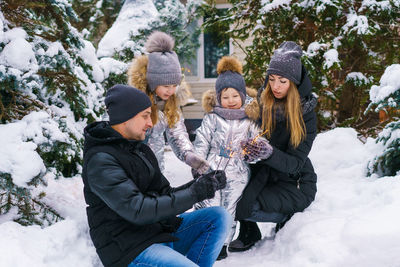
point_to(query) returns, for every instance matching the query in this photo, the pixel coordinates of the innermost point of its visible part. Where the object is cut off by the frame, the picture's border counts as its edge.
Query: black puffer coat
(286, 181)
(130, 203)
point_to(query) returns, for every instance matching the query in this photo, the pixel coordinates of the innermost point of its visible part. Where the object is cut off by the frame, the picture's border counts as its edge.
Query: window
(189, 66)
(215, 46)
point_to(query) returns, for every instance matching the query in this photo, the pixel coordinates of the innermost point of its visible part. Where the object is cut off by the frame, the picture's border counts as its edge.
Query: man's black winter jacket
(130, 203)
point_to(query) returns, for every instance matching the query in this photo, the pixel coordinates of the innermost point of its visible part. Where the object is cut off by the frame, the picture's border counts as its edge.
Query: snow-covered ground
(354, 221)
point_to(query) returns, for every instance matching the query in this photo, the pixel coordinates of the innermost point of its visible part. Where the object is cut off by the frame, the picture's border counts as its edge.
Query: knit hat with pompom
(230, 76)
(286, 62)
(163, 67)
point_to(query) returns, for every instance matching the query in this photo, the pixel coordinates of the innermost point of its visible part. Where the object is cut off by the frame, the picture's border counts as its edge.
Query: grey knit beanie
(230, 76)
(123, 102)
(286, 62)
(163, 67)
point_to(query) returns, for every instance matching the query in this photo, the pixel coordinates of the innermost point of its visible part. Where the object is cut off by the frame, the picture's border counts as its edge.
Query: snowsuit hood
(177, 135)
(137, 78)
(252, 110)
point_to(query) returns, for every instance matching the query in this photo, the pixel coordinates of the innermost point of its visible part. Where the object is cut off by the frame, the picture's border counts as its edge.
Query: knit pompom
(229, 63)
(159, 42)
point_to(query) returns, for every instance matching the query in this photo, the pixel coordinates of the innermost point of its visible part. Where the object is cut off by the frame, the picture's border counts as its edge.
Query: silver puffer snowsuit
(177, 135)
(218, 137)
(177, 138)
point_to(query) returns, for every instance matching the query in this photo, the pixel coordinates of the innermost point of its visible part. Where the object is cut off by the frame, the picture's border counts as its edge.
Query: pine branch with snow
(386, 97)
(342, 41)
(50, 88)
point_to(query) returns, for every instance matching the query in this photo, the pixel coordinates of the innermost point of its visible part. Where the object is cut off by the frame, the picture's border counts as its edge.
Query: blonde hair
(171, 110)
(293, 113)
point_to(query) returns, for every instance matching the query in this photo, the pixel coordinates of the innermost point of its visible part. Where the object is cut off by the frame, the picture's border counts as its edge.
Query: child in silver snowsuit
(159, 75)
(228, 121)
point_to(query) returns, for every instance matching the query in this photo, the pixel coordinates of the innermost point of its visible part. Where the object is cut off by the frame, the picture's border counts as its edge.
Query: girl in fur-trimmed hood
(159, 75)
(228, 120)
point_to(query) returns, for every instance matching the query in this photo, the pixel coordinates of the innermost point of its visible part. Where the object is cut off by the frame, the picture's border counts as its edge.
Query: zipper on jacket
(298, 183)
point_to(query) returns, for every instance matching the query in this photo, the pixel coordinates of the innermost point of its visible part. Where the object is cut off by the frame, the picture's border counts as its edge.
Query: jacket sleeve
(292, 160)
(108, 180)
(178, 139)
(155, 140)
(204, 135)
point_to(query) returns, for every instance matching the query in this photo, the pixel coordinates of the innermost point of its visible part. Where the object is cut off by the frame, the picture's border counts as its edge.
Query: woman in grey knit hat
(283, 182)
(159, 75)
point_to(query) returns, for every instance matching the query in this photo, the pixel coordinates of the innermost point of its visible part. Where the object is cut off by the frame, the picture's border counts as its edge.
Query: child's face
(230, 98)
(279, 85)
(165, 91)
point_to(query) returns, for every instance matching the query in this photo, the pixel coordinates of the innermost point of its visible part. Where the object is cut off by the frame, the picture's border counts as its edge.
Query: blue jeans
(201, 237)
(257, 215)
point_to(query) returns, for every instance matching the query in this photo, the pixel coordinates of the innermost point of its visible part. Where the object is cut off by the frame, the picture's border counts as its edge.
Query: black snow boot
(249, 234)
(223, 254)
(280, 225)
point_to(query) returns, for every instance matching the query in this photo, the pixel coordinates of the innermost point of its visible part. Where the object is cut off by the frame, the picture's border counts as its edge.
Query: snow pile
(19, 141)
(18, 52)
(389, 83)
(352, 222)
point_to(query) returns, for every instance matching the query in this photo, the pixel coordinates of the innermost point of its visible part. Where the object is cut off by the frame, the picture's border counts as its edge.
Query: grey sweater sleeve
(108, 180)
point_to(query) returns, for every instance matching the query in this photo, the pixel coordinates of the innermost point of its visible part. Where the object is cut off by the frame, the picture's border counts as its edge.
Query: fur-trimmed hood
(137, 78)
(252, 110)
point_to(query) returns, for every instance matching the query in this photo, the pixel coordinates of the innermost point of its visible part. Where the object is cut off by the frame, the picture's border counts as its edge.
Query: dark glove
(254, 150)
(196, 162)
(221, 178)
(195, 174)
(204, 187)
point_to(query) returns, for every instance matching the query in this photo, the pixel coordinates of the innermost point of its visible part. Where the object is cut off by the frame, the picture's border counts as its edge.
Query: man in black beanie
(134, 215)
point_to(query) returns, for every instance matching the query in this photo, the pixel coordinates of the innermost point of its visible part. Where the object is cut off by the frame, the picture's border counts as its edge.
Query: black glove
(221, 178)
(204, 187)
(195, 174)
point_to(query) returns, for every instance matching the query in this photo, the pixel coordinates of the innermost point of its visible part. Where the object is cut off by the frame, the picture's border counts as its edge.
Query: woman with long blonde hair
(283, 180)
(159, 75)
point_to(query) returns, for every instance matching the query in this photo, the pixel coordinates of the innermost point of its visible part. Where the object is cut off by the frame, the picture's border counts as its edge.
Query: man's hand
(221, 178)
(206, 185)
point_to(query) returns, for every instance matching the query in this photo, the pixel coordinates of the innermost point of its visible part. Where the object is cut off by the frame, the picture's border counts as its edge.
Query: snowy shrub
(340, 38)
(50, 87)
(386, 96)
(136, 20)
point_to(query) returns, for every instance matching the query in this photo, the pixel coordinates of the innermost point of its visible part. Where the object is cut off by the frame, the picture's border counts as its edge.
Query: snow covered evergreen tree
(49, 88)
(343, 40)
(386, 97)
(95, 17)
(136, 20)
(176, 19)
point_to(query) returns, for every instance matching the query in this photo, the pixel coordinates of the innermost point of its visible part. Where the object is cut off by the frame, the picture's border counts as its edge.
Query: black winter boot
(249, 234)
(280, 225)
(223, 254)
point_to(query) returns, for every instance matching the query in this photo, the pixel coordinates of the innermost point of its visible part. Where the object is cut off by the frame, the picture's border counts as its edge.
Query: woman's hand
(256, 149)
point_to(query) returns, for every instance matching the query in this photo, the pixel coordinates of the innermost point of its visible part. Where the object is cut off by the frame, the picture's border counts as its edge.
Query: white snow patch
(389, 83)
